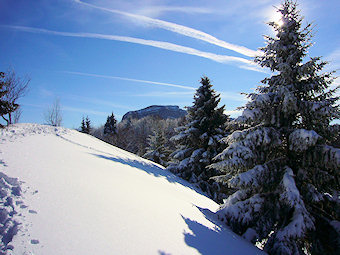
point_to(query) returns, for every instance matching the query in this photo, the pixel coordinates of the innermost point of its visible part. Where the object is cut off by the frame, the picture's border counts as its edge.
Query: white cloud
(255, 68)
(180, 29)
(241, 62)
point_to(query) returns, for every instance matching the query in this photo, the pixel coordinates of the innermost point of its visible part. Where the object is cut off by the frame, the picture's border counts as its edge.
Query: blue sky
(105, 56)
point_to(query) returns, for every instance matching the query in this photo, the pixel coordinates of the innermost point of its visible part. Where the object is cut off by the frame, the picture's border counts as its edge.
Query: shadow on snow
(152, 169)
(219, 240)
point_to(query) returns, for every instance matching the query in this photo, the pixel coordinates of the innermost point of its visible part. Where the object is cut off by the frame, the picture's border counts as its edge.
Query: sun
(275, 16)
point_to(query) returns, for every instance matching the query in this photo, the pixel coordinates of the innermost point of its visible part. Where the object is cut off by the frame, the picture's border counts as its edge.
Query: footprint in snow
(34, 241)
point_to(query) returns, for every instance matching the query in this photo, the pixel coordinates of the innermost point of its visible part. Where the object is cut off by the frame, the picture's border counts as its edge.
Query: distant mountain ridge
(162, 111)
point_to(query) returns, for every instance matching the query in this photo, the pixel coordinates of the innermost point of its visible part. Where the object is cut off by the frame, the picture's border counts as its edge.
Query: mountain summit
(161, 111)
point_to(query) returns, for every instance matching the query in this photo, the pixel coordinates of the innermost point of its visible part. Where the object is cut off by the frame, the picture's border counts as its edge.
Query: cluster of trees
(86, 125)
(143, 137)
(275, 164)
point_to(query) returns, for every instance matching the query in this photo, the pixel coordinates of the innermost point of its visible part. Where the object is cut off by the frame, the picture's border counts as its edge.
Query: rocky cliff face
(162, 111)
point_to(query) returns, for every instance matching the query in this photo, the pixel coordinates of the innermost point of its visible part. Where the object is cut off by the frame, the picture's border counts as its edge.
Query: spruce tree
(110, 127)
(198, 141)
(157, 150)
(85, 125)
(286, 177)
(88, 127)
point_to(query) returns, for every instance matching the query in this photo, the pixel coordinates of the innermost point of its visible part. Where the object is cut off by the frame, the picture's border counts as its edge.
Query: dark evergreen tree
(88, 127)
(198, 141)
(85, 125)
(110, 127)
(287, 178)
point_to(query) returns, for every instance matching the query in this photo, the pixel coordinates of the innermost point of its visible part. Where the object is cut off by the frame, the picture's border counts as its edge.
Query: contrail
(180, 29)
(244, 63)
(129, 79)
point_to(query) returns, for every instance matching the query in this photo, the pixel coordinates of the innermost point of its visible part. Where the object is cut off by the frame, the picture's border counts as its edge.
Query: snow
(301, 220)
(250, 234)
(80, 195)
(241, 152)
(330, 156)
(9, 191)
(250, 177)
(302, 139)
(291, 194)
(241, 209)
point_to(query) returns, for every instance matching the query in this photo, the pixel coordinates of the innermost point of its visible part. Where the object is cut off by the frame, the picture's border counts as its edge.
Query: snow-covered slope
(80, 195)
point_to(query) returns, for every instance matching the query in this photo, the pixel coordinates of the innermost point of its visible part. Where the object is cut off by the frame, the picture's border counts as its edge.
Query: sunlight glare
(275, 16)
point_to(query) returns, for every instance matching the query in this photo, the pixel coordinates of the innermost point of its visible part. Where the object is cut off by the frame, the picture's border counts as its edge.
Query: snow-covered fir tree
(285, 175)
(198, 141)
(157, 149)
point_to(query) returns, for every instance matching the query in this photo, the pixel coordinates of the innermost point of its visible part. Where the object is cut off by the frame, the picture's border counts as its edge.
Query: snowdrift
(64, 192)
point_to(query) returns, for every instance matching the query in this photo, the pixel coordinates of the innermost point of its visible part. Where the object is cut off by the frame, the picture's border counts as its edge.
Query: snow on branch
(196, 154)
(253, 110)
(329, 156)
(289, 103)
(237, 157)
(241, 152)
(181, 154)
(251, 177)
(302, 139)
(301, 220)
(250, 115)
(313, 193)
(291, 194)
(237, 209)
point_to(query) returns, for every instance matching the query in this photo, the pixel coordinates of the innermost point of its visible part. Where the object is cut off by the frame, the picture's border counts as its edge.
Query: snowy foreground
(80, 195)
